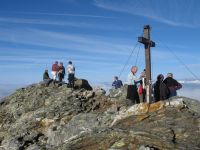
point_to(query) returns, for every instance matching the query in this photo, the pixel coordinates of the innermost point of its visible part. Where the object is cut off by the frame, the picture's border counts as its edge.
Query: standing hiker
(71, 72)
(55, 69)
(61, 73)
(172, 84)
(161, 91)
(132, 92)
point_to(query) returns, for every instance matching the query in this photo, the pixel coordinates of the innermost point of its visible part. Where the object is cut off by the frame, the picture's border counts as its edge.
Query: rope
(178, 58)
(137, 55)
(128, 60)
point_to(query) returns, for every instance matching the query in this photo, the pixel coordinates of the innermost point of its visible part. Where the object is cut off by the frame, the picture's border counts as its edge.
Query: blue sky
(98, 36)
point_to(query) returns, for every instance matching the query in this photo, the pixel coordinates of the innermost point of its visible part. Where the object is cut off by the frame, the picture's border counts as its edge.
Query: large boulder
(162, 125)
(82, 84)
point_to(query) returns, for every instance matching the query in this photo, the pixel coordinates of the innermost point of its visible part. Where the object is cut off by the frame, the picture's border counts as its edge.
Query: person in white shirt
(71, 72)
(132, 93)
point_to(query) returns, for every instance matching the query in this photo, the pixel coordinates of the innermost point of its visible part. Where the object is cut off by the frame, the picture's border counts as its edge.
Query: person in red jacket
(55, 70)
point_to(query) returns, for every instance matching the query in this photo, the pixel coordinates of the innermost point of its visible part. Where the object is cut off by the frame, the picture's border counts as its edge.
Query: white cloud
(62, 14)
(73, 42)
(190, 90)
(168, 11)
(50, 22)
(97, 24)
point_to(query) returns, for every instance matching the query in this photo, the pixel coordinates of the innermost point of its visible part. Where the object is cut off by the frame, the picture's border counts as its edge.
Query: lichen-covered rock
(60, 118)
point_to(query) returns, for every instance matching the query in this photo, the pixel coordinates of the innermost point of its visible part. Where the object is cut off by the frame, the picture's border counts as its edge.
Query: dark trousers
(71, 80)
(47, 81)
(60, 76)
(132, 94)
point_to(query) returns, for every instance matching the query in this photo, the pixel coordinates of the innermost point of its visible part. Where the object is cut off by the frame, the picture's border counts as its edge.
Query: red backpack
(140, 89)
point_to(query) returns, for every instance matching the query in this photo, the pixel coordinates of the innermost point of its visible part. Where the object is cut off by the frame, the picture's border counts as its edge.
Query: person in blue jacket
(117, 83)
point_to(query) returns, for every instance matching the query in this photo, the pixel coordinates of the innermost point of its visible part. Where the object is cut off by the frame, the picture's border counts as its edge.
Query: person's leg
(141, 98)
(128, 96)
(135, 95)
(130, 93)
(144, 95)
(70, 80)
(54, 77)
(62, 77)
(49, 81)
(53, 74)
(59, 77)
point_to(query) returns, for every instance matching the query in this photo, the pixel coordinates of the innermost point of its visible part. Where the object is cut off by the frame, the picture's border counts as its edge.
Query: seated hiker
(61, 72)
(161, 91)
(172, 84)
(117, 83)
(46, 79)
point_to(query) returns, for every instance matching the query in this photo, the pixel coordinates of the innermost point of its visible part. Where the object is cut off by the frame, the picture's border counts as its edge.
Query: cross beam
(147, 45)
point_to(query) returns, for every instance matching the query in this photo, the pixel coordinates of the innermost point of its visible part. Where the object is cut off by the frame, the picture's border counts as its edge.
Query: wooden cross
(147, 45)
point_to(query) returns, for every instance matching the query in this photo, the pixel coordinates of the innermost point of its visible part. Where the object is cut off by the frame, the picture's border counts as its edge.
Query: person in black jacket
(161, 91)
(61, 72)
(172, 84)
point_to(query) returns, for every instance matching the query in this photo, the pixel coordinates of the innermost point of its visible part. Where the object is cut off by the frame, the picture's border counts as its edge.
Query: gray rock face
(82, 83)
(119, 93)
(59, 118)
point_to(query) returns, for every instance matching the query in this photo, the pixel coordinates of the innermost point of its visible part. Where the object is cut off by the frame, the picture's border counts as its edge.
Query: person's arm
(113, 84)
(121, 83)
(179, 86)
(129, 79)
(137, 82)
(64, 71)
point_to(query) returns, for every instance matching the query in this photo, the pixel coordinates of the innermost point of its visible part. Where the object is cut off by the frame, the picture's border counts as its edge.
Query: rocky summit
(59, 118)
